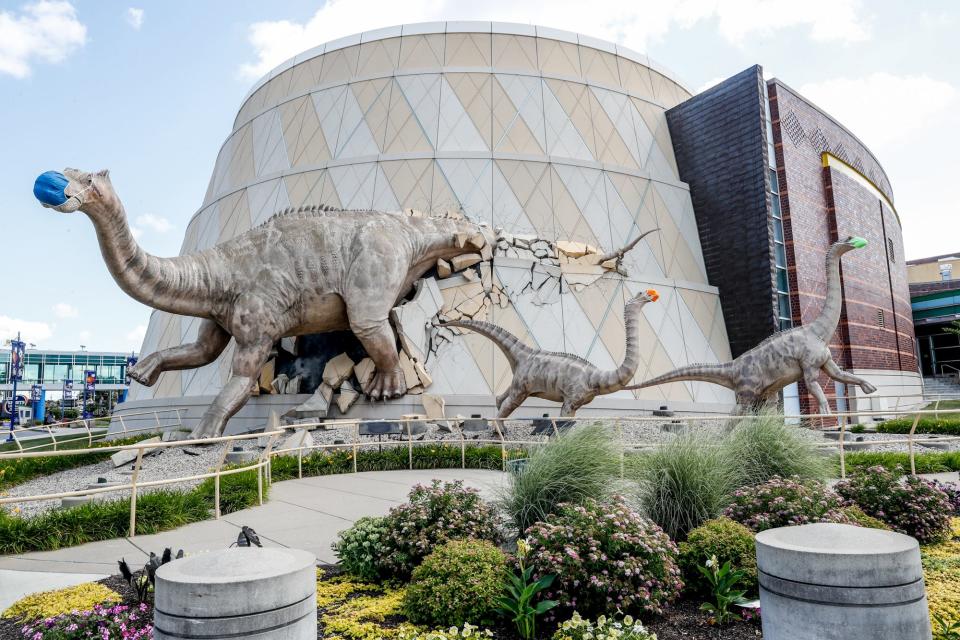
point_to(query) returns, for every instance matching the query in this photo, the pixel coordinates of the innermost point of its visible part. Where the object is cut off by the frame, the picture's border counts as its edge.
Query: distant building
(50, 368)
(935, 300)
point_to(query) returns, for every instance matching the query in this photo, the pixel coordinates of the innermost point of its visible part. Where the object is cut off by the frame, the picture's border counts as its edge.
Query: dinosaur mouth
(857, 242)
(654, 296)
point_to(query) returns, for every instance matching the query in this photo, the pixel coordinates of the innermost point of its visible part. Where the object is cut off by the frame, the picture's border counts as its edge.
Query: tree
(953, 327)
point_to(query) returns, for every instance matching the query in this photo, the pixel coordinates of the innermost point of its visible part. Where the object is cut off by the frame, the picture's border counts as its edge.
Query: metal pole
(133, 493)
(14, 376)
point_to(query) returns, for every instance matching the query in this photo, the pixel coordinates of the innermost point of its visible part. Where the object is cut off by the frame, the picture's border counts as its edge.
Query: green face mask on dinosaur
(858, 242)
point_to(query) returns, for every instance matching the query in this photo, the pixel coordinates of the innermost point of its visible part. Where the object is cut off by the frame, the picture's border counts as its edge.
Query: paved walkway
(304, 514)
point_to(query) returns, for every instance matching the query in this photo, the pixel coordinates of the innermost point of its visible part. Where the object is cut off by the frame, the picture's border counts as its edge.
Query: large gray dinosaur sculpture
(561, 377)
(306, 270)
(785, 357)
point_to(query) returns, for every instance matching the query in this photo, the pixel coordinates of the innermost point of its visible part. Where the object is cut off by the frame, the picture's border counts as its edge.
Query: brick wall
(719, 141)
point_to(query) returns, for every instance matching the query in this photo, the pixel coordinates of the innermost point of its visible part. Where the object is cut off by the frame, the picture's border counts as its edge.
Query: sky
(149, 90)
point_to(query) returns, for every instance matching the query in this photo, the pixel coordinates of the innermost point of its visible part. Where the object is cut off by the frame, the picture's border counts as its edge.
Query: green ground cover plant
(926, 462)
(579, 464)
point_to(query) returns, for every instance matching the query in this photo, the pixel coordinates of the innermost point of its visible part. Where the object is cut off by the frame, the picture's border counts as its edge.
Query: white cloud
(135, 18)
(63, 310)
(29, 331)
(883, 109)
(85, 335)
(634, 24)
(135, 336)
(158, 224)
(47, 31)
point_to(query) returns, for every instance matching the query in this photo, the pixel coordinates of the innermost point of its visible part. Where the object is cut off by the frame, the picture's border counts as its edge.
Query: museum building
(557, 139)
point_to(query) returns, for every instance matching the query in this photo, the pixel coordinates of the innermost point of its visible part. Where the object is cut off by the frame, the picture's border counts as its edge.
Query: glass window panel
(775, 205)
(781, 255)
(777, 231)
(782, 282)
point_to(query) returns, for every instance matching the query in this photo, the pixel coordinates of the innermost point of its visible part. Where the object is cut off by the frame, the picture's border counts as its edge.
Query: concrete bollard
(839, 582)
(266, 594)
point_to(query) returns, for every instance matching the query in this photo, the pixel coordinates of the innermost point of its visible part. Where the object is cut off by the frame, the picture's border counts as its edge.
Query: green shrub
(946, 424)
(914, 507)
(762, 446)
(361, 548)
(683, 483)
(460, 582)
(434, 515)
(576, 628)
(782, 502)
(926, 462)
(724, 539)
(857, 516)
(606, 558)
(579, 464)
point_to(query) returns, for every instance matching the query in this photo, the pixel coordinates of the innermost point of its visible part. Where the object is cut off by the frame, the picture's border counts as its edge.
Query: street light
(16, 373)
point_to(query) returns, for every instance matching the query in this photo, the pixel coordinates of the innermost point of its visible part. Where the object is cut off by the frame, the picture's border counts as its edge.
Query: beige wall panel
(373, 96)
(575, 100)
(234, 215)
(610, 146)
(306, 144)
(635, 78)
(306, 75)
(411, 181)
(422, 52)
(404, 133)
(304, 188)
(656, 120)
(511, 133)
(517, 53)
(467, 50)
(510, 320)
(378, 57)
(339, 65)
(558, 58)
(474, 92)
(482, 351)
(241, 170)
(569, 221)
(277, 89)
(636, 196)
(252, 106)
(705, 309)
(599, 67)
(531, 184)
(442, 198)
(667, 92)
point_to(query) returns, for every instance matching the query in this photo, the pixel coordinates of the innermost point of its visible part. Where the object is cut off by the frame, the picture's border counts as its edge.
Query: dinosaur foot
(387, 384)
(206, 429)
(866, 387)
(146, 371)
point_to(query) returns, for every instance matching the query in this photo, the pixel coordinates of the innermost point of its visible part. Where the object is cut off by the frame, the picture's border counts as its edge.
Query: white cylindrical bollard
(265, 594)
(839, 582)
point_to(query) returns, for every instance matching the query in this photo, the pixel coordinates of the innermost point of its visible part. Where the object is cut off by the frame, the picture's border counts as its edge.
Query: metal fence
(273, 431)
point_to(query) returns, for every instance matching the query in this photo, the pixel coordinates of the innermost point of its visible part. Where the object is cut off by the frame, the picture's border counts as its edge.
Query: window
(880, 320)
(946, 271)
(890, 252)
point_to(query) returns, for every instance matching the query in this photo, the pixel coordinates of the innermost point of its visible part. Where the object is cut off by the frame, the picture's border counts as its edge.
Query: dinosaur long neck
(826, 323)
(175, 285)
(615, 380)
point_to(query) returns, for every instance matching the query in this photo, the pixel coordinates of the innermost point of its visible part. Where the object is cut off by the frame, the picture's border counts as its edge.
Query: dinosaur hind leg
(247, 363)
(831, 369)
(380, 343)
(810, 378)
(211, 340)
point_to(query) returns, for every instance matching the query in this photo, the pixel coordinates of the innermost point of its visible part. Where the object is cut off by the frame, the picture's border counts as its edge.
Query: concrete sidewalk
(304, 514)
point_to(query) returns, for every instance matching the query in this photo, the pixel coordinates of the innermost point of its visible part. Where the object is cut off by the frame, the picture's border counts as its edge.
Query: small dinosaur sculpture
(305, 270)
(561, 377)
(785, 357)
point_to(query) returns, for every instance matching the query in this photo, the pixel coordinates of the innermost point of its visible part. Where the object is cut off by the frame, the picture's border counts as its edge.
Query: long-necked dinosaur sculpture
(306, 270)
(560, 377)
(785, 357)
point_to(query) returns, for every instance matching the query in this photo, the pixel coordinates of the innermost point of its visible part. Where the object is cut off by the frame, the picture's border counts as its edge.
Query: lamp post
(16, 373)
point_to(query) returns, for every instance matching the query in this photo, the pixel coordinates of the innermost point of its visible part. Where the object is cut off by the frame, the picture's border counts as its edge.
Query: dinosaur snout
(653, 295)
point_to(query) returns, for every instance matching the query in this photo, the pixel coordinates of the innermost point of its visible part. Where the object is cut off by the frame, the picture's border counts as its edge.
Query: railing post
(843, 456)
(300, 462)
(262, 465)
(556, 433)
(216, 480)
(89, 436)
(156, 416)
(503, 446)
(409, 444)
(123, 425)
(620, 442)
(53, 438)
(356, 436)
(913, 461)
(133, 492)
(463, 448)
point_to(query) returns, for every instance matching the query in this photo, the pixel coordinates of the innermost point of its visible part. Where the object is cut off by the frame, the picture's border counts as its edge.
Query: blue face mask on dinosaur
(49, 189)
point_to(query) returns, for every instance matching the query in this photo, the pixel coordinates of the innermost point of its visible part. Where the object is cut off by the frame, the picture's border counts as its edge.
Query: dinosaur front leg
(211, 341)
(380, 343)
(569, 408)
(831, 369)
(510, 403)
(248, 360)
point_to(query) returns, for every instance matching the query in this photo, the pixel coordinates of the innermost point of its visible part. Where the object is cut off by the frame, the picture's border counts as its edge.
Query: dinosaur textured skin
(560, 377)
(303, 271)
(757, 375)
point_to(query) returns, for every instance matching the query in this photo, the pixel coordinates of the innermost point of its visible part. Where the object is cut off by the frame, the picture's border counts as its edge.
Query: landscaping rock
(121, 458)
(433, 406)
(241, 456)
(337, 370)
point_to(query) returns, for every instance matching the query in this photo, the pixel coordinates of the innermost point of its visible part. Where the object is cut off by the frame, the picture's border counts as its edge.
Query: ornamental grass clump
(460, 582)
(683, 483)
(117, 622)
(607, 558)
(914, 506)
(724, 540)
(434, 515)
(761, 446)
(579, 464)
(782, 502)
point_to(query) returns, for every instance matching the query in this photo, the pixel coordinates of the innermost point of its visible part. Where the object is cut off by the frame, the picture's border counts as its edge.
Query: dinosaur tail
(716, 373)
(508, 343)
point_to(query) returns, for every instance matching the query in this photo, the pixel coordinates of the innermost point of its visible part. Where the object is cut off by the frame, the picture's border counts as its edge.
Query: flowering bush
(782, 502)
(48, 604)
(725, 540)
(432, 516)
(459, 582)
(606, 557)
(361, 548)
(914, 507)
(468, 631)
(577, 628)
(952, 493)
(118, 622)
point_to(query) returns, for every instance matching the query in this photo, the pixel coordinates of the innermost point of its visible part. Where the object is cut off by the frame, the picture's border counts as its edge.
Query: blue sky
(150, 89)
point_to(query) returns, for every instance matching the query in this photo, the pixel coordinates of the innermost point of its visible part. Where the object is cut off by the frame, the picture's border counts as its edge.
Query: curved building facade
(538, 132)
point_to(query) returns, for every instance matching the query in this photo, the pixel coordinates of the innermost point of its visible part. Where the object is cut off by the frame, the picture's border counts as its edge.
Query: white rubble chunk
(337, 370)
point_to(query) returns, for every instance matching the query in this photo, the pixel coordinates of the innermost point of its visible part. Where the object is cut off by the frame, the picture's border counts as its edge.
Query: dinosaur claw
(386, 385)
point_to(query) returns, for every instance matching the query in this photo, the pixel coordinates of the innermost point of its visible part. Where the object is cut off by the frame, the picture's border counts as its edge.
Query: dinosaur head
(73, 190)
(650, 295)
(849, 244)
